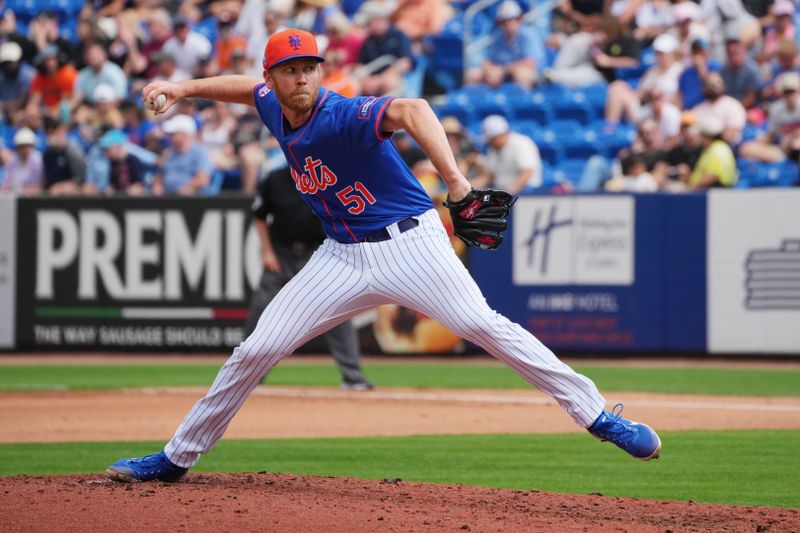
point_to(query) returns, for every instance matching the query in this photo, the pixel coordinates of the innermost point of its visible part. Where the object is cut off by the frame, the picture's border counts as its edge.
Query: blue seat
(570, 170)
(207, 27)
(464, 114)
(585, 144)
(565, 130)
(783, 174)
(446, 63)
(493, 103)
(750, 171)
(512, 91)
(573, 110)
(527, 107)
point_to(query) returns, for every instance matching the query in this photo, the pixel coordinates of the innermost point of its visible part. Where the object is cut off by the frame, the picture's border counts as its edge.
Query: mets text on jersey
(311, 181)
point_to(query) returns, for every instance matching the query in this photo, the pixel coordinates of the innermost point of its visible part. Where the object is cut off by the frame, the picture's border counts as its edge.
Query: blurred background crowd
(571, 95)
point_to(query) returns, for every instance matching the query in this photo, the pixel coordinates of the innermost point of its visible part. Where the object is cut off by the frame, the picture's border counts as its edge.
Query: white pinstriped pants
(417, 269)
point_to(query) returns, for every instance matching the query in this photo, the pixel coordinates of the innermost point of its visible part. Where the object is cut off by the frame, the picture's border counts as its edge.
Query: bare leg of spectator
(473, 76)
(622, 102)
(494, 75)
(523, 73)
(762, 151)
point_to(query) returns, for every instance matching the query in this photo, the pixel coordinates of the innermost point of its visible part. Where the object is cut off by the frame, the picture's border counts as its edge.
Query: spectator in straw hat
(470, 161)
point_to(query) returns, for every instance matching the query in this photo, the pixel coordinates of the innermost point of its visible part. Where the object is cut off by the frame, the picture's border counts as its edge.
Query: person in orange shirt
(53, 83)
(228, 41)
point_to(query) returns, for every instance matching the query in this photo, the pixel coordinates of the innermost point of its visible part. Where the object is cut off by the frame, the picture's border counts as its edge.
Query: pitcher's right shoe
(148, 468)
(637, 439)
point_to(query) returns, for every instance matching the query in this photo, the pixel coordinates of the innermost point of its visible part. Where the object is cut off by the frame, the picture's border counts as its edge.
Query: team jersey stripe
(378, 119)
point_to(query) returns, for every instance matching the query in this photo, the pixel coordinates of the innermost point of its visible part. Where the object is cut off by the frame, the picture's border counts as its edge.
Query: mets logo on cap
(290, 44)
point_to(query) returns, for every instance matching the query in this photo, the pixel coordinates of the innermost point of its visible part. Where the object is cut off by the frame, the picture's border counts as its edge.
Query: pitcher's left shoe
(637, 439)
(148, 468)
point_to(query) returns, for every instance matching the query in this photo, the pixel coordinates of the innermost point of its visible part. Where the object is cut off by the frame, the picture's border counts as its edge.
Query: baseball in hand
(158, 103)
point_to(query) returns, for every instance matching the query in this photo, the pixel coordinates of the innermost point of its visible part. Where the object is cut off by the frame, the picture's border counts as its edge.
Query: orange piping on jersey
(379, 119)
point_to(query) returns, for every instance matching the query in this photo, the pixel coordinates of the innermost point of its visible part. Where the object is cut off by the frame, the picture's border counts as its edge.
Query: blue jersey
(355, 182)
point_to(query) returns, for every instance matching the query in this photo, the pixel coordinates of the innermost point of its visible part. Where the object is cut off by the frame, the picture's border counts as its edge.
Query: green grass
(736, 467)
(683, 380)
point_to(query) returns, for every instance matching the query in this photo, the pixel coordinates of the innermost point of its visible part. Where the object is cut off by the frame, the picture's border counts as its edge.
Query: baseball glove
(480, 218)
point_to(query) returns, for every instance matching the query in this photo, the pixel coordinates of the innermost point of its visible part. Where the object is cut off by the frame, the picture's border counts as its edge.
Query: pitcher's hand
(173, 92)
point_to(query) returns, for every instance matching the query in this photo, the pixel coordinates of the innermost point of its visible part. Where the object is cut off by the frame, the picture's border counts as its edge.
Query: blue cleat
(637, 439)
(148, 468)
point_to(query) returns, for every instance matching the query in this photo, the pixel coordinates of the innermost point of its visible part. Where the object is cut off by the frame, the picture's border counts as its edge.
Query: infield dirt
(278, 503)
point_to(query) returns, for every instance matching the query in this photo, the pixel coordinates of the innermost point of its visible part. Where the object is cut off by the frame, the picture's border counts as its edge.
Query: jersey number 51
(355, 194)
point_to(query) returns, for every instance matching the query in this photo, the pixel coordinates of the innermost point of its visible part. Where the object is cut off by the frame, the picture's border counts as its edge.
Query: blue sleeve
(360, 120)
(264, 100)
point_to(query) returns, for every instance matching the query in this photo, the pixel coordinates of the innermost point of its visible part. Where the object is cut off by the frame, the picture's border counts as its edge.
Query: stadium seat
(464, 114)
(751, 173)
(571, 109)
(783, 174)
(583, 145)
(446, 63)
(569, 170)
(529, 108)
(207, 27)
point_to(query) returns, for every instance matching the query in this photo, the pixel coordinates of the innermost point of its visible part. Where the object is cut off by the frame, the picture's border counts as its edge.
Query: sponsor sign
(574, 241)
(135, 273)
(8, 282)
(754, 271)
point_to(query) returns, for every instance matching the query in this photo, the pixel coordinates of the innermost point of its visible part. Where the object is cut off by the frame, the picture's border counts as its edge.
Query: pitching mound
(280, 502)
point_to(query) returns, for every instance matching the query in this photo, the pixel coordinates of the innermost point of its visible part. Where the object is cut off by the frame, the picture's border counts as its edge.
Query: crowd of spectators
(73, 121)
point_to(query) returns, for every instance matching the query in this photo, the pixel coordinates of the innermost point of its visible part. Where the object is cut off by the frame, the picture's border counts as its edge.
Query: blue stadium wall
(603, 273)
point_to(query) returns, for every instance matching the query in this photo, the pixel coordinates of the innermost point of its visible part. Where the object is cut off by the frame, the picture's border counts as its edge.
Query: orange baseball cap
(290, 44)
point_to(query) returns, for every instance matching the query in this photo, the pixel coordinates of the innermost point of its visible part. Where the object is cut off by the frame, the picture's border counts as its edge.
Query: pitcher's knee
(478, 328)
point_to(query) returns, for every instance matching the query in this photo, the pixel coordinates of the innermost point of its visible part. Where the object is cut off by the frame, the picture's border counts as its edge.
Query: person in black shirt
(64, 166)
(383, 39)
(287, 243)
(677, 163)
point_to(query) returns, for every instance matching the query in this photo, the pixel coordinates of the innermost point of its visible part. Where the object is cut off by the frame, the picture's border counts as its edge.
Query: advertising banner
(602, 272)
(155, 274)
(8, 282)
(754, 271)
(134, 273)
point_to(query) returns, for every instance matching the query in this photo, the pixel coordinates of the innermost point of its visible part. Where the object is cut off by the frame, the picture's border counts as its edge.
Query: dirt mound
(281, 502)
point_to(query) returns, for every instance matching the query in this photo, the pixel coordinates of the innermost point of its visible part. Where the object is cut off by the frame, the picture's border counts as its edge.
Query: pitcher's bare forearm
(230, 89)
(417, 118)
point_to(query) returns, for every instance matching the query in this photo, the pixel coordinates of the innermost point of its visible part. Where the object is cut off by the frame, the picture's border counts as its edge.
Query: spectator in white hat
(625, 102)
(513, 159)
(186, 166)
(782, 140)
(24, 168)
(512, 52)
(717, 164)
(15, 78)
